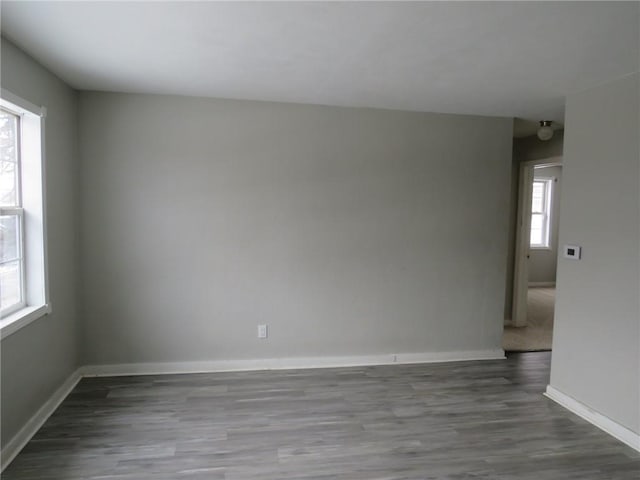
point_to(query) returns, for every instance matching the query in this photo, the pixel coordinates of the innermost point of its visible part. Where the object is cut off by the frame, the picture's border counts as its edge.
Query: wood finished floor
(465, 420)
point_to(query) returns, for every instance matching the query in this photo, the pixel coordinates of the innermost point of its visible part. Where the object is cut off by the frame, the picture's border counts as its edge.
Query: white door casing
(523, 234)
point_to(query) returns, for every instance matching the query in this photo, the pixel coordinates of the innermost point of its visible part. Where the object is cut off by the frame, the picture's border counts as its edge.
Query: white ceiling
(489, 58)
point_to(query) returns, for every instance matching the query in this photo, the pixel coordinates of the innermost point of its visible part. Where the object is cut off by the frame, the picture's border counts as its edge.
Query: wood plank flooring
(464, 420)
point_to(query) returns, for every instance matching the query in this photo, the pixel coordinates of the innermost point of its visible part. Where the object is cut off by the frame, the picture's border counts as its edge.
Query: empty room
(319, 240)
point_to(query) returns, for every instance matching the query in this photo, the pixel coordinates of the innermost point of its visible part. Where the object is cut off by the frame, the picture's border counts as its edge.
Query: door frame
(523, 233)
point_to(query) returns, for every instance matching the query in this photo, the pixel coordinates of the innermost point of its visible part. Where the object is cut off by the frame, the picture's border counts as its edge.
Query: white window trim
(548, 202)
(35, 247)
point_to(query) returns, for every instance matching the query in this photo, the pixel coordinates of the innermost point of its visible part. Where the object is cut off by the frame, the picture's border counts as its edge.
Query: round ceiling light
(545, 132)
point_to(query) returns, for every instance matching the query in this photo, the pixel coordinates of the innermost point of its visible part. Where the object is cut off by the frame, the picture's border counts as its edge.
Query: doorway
(536, 256)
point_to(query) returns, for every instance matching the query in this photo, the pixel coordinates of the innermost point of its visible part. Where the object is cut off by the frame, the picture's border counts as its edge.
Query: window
(11, 220)
(23, 288)
(541, 212)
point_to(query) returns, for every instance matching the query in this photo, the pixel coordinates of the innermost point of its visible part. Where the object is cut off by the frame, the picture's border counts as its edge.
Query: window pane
(536, 237)
(9, 238)
(8, 159)
(10, 285)
(537, 199)
(536, 229)
(8, 136)
(8, 184)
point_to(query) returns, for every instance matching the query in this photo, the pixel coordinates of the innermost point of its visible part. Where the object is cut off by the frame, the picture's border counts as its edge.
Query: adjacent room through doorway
(539, 258)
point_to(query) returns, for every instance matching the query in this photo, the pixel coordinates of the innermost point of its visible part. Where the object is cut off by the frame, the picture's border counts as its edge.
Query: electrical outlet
(262, 331)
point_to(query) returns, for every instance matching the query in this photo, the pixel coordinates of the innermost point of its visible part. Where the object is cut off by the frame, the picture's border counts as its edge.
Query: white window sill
(14, 322)
(540, 248)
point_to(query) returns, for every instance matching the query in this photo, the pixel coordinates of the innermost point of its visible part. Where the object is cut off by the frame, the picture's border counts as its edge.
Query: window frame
(546, 213)
(32, 204)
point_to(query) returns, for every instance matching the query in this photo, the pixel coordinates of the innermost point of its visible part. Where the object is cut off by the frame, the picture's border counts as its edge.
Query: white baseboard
(20, 439)
(604, 423)
(541, 284)
(286, 363)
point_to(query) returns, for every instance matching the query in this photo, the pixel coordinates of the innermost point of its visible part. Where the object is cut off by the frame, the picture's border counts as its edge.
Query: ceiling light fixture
(545, 132)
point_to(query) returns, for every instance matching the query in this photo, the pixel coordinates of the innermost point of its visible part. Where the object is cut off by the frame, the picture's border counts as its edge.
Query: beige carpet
(538, 332)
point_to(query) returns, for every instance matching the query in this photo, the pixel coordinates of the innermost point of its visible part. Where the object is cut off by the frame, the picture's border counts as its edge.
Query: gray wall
(524, 149)
(348, 231)
(532, 148)
(542, 261)
(38, 358)
(596, 337)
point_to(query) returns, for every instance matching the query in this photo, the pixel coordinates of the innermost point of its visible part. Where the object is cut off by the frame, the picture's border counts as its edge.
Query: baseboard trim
(20, 439)
(293, 363)
(541, 284)
(603, 422)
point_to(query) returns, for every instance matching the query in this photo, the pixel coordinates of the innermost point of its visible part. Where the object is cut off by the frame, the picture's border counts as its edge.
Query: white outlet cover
(262, 331)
